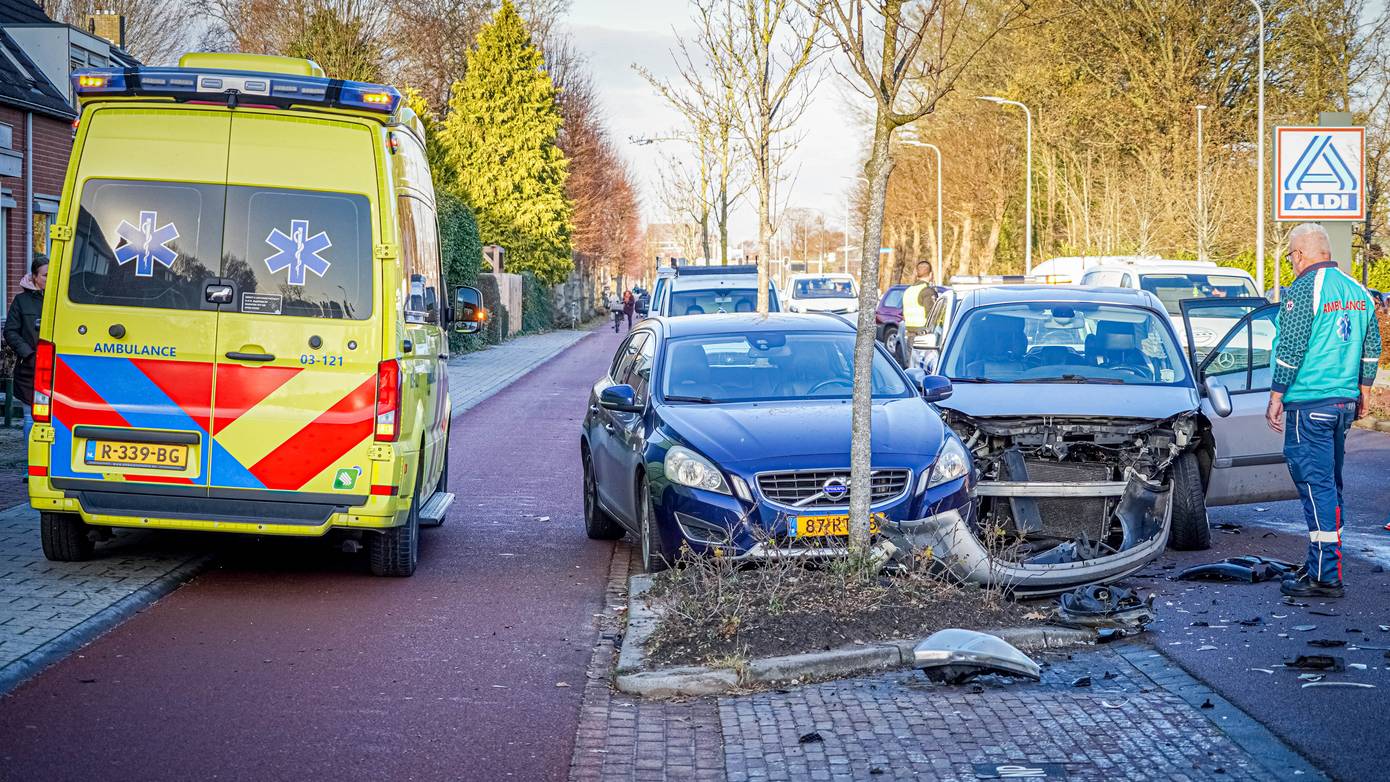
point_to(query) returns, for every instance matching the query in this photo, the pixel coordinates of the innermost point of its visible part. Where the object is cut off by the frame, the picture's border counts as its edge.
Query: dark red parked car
(888, 319)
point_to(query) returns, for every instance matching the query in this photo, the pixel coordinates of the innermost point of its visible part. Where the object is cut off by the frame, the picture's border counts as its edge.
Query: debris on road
(1303, 628)
(814, 737)
(1098, 605)
(1327, 643)
(956, 656)
(1316, 662)
(1230, 528)
(1248, 570)
(1340, 684)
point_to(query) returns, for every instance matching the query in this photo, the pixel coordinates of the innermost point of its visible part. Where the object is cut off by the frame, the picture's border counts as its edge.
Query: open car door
(1231, 345)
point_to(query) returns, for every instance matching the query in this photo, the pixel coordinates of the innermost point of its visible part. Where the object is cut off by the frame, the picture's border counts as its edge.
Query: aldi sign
(1319, 174)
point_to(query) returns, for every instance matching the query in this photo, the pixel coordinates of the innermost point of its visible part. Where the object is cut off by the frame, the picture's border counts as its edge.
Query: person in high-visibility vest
(918, 300)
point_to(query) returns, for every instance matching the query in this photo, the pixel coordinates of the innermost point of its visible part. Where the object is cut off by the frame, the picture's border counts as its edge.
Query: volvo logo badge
(834, 488)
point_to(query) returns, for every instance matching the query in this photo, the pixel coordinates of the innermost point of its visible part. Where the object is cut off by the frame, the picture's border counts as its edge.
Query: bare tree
(704, 96)
(156, 31)
(884, 45)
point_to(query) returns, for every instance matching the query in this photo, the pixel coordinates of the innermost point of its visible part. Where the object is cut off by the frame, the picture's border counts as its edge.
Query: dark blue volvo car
(730, 434)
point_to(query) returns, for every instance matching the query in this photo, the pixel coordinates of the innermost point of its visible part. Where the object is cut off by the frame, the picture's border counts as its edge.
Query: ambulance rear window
(301, 253)
(146, 244)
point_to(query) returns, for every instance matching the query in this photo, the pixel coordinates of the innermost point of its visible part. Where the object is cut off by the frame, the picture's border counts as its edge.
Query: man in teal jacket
(1325, 360)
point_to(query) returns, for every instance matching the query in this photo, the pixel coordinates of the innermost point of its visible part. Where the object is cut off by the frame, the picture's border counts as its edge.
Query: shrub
(459, 241)
(537, 305)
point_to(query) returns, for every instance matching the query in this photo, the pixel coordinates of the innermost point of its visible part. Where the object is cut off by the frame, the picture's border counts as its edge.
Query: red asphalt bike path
(288, 661)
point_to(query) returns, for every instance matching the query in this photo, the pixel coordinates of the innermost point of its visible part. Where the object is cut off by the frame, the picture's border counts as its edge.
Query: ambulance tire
(1190, 530)
(65, 537)
(396, 551)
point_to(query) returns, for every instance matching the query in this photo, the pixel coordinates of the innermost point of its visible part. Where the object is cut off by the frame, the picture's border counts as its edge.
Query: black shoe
(1306, 587)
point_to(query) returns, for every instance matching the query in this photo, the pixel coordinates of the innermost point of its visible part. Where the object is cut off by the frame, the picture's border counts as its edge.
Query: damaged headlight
(952, 462)
(688, 468)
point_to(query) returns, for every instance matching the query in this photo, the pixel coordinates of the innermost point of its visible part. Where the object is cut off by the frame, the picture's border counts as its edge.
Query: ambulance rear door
(298, 346)
(136, 328)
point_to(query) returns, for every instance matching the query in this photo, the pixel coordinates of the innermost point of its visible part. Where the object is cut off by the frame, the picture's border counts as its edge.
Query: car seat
(695, 309)
(999, 343)
(1115, 344)
(692, 364)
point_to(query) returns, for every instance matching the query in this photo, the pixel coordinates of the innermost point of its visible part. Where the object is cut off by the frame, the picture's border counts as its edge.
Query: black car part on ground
(1098, 605)
(1247, 570)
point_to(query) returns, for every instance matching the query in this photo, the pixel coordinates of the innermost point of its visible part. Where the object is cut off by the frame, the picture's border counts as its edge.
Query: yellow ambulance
(245, 325)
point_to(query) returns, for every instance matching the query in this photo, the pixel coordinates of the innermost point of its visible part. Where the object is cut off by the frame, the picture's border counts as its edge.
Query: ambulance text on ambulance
(113, 348)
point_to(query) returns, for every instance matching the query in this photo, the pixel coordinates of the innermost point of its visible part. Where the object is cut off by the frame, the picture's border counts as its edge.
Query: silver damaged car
(1097, 440)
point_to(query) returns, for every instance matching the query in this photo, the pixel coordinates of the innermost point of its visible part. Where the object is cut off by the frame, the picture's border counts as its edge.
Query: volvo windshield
(1048, 342)
(770, 366)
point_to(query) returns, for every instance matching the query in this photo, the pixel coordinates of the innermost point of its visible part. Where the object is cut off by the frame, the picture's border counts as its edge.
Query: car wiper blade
(1070, 378)
(973, 380)
(703, 400)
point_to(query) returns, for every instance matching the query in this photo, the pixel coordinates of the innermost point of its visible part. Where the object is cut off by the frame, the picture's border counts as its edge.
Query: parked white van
(829, 292)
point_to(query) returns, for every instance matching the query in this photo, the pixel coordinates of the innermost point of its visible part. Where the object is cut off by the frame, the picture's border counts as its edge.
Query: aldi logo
(1319, 173)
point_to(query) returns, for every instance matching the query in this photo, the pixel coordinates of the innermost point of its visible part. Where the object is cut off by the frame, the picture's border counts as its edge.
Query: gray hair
(1314, 232)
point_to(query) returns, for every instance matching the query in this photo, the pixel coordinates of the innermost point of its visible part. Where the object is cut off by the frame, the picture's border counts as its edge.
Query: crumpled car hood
(1004, 400)
(750, 432)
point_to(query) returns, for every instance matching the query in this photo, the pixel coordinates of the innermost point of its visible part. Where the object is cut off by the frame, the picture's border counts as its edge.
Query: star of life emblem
(145, 244)
(298, 252)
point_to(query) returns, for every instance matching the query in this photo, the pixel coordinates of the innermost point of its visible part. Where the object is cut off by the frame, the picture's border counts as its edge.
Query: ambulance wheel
(65, 538)
(1190, 530)
(395, 551)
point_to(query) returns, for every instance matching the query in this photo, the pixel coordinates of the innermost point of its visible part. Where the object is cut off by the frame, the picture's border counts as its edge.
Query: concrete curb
(854, 660)
(30, 665)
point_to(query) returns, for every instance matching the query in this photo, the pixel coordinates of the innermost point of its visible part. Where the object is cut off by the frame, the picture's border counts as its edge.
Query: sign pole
(1339, 231)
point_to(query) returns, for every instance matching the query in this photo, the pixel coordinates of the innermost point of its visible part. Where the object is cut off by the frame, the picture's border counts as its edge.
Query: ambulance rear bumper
(224, 510)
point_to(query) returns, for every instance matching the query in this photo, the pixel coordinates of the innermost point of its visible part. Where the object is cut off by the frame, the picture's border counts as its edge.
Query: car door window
(622, 361)
(639, 372)
(1241, 361)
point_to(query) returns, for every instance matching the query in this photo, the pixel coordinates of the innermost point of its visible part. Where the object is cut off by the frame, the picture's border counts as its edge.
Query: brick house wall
(51, 149)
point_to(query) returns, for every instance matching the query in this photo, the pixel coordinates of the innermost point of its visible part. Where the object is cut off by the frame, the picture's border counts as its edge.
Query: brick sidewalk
(48, 609)
(1145, 722)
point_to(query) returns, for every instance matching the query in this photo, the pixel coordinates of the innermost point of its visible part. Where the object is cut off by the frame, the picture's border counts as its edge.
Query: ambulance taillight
(43, 381)
(388, 401)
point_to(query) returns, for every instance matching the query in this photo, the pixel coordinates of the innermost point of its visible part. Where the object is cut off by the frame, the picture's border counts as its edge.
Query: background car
(888, 319)
(708, 290)
(837, 293)
(730, 434)
(1175, 281)
(1094, 439)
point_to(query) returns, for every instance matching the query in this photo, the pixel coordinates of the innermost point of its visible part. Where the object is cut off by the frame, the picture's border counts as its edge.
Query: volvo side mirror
(469, 314)
(936, 388)
(621, 398)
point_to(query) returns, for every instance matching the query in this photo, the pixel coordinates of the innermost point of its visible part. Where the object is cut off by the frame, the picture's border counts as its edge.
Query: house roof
(22, 12)
(22, 84)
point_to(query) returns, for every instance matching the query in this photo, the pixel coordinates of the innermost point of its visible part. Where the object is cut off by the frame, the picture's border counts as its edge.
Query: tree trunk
(879, 166)
(967, 236)
(764, 229)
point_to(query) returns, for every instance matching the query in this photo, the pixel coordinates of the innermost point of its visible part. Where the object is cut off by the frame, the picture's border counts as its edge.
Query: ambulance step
(432, 515)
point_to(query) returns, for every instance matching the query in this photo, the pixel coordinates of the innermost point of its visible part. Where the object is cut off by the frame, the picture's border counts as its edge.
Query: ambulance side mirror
(469, 314)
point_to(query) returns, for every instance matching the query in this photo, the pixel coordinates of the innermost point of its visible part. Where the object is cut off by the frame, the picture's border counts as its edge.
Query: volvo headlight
(688, 468)
(952, 462)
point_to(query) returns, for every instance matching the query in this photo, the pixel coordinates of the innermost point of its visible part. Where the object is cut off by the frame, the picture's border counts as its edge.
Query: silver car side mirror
(928, 341)
(1219, 396)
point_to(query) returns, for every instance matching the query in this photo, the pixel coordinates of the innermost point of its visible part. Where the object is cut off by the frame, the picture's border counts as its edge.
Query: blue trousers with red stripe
(1315, 438)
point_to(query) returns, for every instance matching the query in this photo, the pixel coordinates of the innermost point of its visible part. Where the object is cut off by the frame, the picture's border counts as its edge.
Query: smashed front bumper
(948, 542)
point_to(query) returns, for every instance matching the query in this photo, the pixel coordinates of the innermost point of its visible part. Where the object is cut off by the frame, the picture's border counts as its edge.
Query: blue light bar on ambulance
(237, 87)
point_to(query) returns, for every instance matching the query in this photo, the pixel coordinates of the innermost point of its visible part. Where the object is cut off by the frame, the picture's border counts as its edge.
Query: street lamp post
(937, 275)
(1028, 188)
(1201, 200)
(1260, 166)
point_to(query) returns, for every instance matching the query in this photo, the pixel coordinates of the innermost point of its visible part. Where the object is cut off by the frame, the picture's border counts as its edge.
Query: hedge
(537, 305)
(459, 242)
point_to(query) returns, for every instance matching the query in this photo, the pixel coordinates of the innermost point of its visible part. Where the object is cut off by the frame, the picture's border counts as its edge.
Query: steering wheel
(831, 382)
(1133, 369)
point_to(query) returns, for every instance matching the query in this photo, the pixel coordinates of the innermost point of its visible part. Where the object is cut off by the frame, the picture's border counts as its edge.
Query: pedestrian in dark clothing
(1325, 356)
(22, 334)
(629, 307)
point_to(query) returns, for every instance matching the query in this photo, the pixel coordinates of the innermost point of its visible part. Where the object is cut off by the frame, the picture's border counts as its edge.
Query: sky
(614, 34)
